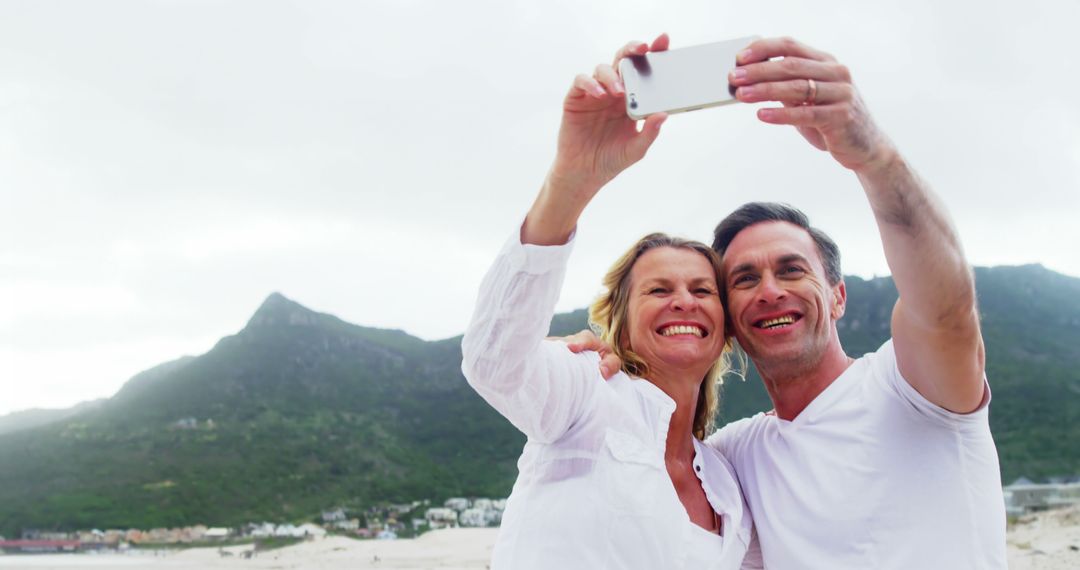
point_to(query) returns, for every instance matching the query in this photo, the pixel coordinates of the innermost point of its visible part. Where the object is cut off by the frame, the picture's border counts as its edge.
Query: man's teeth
(778, 321)
(683, 329)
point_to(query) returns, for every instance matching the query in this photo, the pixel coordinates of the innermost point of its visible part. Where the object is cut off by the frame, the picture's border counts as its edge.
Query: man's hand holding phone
(818, 98)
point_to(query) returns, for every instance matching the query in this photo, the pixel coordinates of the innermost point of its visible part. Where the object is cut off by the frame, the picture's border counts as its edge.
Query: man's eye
(791, 270)
(744, 281)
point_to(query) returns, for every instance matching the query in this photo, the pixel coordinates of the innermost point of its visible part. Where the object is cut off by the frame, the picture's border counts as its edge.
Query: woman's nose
(683, 300)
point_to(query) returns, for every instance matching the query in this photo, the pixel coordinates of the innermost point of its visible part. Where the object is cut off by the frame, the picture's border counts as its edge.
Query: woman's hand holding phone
(597, 141)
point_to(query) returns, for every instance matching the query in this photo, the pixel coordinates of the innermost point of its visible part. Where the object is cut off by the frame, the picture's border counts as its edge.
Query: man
(885, 461)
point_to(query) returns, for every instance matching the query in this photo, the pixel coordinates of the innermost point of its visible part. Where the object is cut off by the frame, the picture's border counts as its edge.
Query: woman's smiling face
(675, 318)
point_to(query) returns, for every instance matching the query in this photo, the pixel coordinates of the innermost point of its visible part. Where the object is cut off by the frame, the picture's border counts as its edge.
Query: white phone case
(679, 80)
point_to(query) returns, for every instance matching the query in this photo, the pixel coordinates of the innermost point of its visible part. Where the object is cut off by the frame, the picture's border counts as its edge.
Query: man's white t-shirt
(871, 475)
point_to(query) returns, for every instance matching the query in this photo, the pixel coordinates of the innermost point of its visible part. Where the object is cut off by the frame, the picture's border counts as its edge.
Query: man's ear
(839, 304)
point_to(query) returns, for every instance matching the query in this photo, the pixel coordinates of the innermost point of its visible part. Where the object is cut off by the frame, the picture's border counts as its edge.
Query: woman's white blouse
(592, 490)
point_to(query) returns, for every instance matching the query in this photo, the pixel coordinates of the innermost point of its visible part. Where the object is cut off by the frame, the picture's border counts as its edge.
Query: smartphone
(678, 80)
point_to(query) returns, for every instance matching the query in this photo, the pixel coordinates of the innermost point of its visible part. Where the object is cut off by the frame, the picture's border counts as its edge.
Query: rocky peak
(278, 310)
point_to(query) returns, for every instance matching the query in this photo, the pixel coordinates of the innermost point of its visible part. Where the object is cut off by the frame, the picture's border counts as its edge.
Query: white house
(312, 530)
(217, 533)
(336, 515)
(386, 535)
(351, 524)
(457, 503)
(472, 517)
(288, 531)
(439, 517)
(264, 530)
(1023, 496)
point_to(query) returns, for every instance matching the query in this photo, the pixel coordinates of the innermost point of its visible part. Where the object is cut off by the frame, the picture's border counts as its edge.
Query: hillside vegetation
(301, 411)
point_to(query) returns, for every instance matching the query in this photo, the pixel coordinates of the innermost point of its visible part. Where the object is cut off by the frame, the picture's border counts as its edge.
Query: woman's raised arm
(597, 141)
(540, 386)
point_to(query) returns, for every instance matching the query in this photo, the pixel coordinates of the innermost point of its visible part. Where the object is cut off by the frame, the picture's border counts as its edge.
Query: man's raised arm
(935, 324)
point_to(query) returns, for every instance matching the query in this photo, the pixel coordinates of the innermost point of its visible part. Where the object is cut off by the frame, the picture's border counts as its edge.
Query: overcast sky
(166, 165)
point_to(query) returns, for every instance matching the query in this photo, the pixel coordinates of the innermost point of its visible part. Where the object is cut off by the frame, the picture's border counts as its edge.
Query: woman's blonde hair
(608, 318)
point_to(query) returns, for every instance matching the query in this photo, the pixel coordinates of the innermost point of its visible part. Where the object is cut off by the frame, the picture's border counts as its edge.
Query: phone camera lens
(633, 104)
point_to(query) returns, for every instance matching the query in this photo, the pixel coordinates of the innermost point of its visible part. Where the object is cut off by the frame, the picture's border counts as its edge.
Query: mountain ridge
(307, 411)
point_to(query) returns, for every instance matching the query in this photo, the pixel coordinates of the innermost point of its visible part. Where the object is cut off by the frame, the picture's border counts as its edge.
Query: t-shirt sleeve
(727, 439)
(885, 368)
(540, 386)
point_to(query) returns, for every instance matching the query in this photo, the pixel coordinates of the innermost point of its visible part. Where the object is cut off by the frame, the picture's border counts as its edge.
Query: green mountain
(298, 411)
(26, 419)
(301, 411)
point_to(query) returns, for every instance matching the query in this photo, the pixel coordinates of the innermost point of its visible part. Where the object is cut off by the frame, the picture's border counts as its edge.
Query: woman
(614, 474)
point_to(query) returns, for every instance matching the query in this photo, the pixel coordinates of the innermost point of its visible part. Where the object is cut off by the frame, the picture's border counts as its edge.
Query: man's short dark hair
(757, 212)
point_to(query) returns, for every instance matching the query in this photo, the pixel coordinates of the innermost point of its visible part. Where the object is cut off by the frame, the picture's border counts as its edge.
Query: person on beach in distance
(884, 461)
(614, 474)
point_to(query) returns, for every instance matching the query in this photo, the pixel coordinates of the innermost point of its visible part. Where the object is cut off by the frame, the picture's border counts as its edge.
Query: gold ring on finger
(811, 93)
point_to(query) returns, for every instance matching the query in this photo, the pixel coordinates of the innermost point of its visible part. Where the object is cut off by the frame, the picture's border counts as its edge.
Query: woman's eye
(704, 291)
(657, 291)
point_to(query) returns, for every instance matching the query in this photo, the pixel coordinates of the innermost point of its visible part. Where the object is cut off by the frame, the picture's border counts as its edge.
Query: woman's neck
(684, 388)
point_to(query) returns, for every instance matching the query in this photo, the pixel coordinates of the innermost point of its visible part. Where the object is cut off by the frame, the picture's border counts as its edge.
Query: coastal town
(1044, 534)
(386, 522)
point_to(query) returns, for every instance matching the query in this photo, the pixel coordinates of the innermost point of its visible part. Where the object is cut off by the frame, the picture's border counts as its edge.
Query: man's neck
(792, 390)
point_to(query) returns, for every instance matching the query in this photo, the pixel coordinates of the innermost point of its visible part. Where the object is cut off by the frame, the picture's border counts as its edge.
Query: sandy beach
(1047, 541)
(448, 549)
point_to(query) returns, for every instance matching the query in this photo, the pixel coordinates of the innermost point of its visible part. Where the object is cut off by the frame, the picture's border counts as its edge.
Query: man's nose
(769, 289)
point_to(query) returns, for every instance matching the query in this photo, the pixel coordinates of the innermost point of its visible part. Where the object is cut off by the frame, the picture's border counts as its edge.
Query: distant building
(39, 546)
(90, 536)
(477, 516)
(336, 515)
(440, 517)
(402, 509)
(457, 503)
(472, 517)
(217, 533)
(194, 533)
(288, 531)
(1023, 496)
(349, 525)
(186, 423)
(263, 530)
(386, 535)
(312, 530)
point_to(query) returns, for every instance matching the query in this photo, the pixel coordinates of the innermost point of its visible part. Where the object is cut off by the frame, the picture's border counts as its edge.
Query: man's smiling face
(781, 305)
